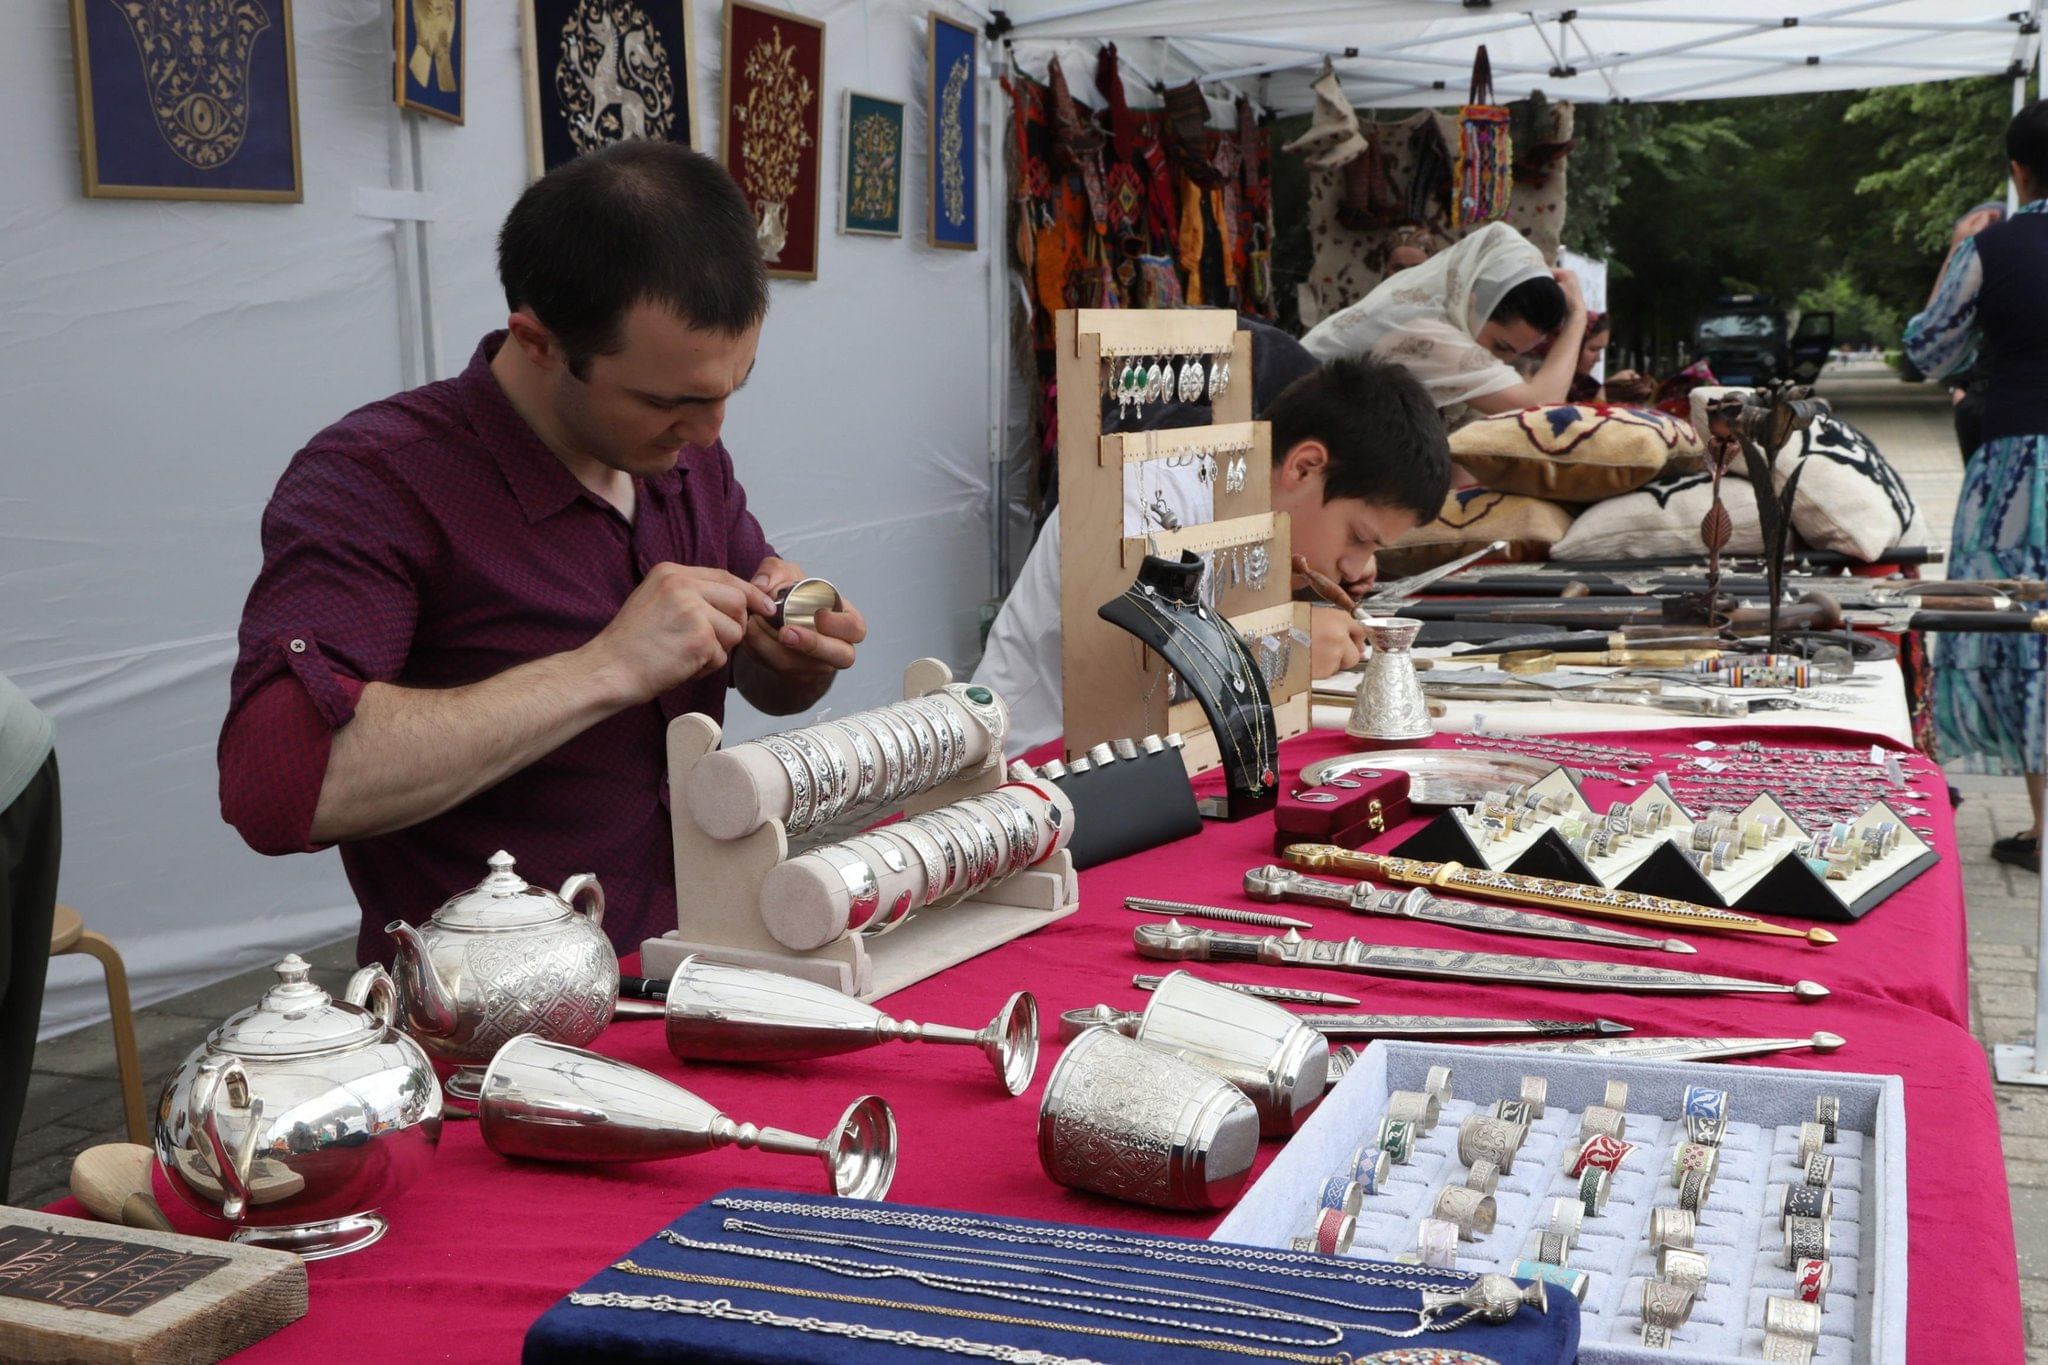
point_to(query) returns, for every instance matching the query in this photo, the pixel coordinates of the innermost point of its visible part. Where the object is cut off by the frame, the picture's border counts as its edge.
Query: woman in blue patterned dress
(1989, 689)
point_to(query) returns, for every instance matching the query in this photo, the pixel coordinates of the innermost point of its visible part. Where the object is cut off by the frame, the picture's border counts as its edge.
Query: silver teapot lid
(503, 900)
(296, 1016)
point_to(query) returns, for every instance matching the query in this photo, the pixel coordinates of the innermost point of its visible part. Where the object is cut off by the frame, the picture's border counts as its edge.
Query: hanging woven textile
(1486, 153)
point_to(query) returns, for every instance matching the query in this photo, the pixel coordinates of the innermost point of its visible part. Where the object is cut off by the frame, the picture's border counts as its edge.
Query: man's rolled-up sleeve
(333, 609)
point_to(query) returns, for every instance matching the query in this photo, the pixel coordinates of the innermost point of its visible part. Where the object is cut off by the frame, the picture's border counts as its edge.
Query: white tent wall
(164, 360)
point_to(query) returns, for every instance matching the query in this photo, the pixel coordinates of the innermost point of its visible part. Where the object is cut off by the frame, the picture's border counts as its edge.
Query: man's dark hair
(2026, 141)
(1386, 442)
(1538, 302)
(636, 221)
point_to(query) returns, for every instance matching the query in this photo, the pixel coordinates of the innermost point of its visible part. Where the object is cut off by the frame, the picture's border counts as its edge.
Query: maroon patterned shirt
(432, 540)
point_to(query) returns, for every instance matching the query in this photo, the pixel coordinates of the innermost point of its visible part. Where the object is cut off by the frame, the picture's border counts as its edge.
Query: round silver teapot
(301, 1116)
(502, 959)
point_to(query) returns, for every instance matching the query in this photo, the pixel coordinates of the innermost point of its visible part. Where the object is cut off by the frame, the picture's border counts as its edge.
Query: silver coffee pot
(1390, 708)
(301, 1116)
(502, 959)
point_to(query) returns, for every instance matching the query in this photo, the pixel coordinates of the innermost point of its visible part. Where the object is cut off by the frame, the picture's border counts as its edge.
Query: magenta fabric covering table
(485, 1245)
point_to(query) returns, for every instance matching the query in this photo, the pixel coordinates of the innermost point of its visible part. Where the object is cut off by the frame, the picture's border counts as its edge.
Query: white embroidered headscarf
(1427, 318)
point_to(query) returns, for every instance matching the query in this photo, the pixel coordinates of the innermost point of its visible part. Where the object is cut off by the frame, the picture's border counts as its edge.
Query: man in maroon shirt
(482, 601)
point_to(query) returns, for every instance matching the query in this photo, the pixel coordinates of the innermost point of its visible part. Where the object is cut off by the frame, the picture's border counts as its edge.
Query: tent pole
(2012, 204)
(994, 201)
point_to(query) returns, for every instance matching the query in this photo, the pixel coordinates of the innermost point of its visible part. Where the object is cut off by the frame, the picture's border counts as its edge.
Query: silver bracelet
(727, 1311)
(1025, 844)
(803, 807)
(905, 749)
(947, 733)
(975, 842)
(943, 841)
(864, 892)
(983, 706)
(928, 856)
(1002, 835)
(923, 745)
(830, 770)
(957, 728)
(864, 757)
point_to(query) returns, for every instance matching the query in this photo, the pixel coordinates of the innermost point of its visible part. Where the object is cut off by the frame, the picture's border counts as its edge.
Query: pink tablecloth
(484, 1246)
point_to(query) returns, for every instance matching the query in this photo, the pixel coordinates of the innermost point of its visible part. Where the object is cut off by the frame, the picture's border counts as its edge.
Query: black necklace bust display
(1164, 609)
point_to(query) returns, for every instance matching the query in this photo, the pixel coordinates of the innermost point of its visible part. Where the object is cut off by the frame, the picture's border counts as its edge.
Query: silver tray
(1437, 777)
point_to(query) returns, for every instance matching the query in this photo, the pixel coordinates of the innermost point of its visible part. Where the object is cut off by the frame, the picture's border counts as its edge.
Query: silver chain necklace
(1253, 1259)
(1221, 671)
(1075, 1301)
(725, 1310)
(934, 1251)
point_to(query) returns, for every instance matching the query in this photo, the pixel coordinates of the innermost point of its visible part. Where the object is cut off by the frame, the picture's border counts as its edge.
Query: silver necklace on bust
(1257, 1260)
(726, 1311)
(1069, 1301)
(932, 1251)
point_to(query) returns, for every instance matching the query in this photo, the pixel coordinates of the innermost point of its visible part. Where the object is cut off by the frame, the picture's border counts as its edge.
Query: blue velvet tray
(569, 1332)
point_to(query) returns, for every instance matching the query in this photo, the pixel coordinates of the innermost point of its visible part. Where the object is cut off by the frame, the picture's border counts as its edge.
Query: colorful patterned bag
(1486, 153)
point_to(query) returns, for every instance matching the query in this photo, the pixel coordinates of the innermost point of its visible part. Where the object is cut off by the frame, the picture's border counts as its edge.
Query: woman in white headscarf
(1458, 320)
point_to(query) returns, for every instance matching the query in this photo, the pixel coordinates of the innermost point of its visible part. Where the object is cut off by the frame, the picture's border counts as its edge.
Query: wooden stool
(68, 934)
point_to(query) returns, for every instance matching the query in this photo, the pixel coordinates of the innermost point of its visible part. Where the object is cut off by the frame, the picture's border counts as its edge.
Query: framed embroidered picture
(871, 166)
(773, 120)
(431, 40)
(603, 71)
(953, 216)
(184, 101)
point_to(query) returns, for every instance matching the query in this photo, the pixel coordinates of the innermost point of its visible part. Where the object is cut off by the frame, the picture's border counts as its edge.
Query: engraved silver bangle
(1015, 827)
(950, 734)
(998, 849)
(863, 891)
(803, 807)
(976, 844)
(867, 786)
(943, 763)
(928, 856)
(948, 854)
(956, 727)
(828, 767)
(924, 745)
(877, 849)
(895, 759)
(989, 715)
(1027, 823)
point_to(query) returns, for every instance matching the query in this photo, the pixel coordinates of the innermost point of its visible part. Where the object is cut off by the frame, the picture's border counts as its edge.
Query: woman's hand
(1574, 297)
(1336, 642)
(1973, 223)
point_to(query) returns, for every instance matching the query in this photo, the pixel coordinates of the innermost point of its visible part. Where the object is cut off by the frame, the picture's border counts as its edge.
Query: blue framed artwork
(951, 93)
(605, 71)
(431, 39)
(187, 99)
(871, 166)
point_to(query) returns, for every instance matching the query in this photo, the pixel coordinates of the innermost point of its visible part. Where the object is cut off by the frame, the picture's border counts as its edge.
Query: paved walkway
(74, 1102)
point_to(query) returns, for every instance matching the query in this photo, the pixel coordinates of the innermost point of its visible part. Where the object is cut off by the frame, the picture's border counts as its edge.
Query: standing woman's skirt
(1988, 689)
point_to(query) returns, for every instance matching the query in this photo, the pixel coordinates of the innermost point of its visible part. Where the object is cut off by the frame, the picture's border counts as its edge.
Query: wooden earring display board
(1112, 685)
(719, 901)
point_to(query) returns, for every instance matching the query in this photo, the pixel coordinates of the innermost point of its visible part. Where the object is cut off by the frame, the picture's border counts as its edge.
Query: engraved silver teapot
(502, 959)
(301, 1116)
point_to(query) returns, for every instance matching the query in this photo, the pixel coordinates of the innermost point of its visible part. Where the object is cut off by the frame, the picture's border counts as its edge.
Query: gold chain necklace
(632, 1267)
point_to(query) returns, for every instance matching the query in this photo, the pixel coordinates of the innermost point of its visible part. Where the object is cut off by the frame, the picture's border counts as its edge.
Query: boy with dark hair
(1359, 459)
(482, 600)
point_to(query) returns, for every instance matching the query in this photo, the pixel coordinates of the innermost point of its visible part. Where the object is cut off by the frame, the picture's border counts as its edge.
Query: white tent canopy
(1407, 53)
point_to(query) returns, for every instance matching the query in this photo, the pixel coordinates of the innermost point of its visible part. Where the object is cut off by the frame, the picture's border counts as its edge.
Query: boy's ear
(1308, 459)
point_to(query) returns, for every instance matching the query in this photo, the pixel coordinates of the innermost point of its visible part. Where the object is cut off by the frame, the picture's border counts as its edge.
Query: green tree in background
(1840, 200)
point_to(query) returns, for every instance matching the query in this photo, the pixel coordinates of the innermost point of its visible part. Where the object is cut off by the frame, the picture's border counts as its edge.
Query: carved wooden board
(76, 1290)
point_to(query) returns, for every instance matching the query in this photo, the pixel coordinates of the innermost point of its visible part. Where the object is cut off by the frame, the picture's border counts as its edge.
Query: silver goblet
(1281, 1064)
(547, 1101)
(718, 1012)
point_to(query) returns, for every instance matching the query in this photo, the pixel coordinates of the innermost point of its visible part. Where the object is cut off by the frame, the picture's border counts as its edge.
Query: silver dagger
(1286, 995)
(1146, 905)
(1365, 1026)
(1275, 883)
(1175, 942)
(1682, 1049)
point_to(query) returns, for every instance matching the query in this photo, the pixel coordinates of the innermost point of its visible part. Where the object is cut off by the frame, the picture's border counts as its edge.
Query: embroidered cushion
(1850, 499)
(1470, 518)
(1573, 453)
(1661, 518)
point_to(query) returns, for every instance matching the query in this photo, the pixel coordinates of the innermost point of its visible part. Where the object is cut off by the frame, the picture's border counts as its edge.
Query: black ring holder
(1241, 717)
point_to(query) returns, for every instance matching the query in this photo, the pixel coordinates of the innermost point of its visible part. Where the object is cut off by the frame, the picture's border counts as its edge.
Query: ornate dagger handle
(1275, 883)
(1175, 942)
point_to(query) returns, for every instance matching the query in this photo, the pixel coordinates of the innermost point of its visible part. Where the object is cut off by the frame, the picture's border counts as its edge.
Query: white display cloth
(164, 361)
(1879, 709)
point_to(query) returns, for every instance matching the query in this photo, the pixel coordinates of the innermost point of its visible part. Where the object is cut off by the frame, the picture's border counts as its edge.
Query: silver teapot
(301, 1116)
(503, 959)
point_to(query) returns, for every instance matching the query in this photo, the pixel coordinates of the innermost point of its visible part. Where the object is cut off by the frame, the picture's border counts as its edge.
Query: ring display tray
(1772, 880)
(1863, 1310)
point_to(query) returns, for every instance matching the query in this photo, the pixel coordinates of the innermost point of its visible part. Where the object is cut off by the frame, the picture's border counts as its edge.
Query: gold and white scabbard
(1542, 891)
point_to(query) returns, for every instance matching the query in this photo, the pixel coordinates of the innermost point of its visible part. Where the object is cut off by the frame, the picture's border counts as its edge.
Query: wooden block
(78, 1291)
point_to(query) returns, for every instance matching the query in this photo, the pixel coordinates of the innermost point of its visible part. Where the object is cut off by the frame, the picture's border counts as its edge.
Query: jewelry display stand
(1863, 1310)
(724, 915)
(1772, 880)
(1113, 686)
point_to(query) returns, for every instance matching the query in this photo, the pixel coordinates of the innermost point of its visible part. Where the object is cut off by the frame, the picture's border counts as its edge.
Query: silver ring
(1552, 1248)
(1535, 1090)
(1471, 1212)
(1792, 1318)
(1594, 1185)
(1808, 1201)
(1683, 1266)
(1706, 1132)
(1806, 1239)
(1828, 1109)
(1820, 1169)
(1812, 1137)
(1483, 1177)
(803, 807)
(1603, 1119)
(1482, 1136)
(863, 891)
(1616, 1097)
(1783, 1350)
(1694, 1156)
(1566, 1217)
(1437, 1081)
(1666, 1305)
(1694, 1190)
(1415, 1106)
(1673, 1228)
(864, 755)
